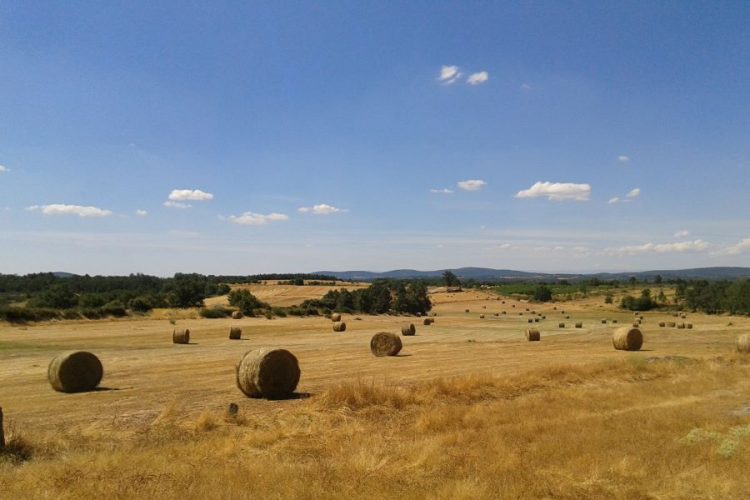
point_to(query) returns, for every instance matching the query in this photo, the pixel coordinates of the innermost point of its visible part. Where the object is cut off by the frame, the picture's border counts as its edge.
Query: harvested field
(407, 412)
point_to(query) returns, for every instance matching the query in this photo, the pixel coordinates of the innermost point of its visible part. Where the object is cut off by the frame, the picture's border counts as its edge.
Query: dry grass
(632, 428)
(471, 410)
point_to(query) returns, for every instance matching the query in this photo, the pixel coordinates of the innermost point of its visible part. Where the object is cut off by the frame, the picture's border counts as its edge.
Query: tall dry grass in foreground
(632, 428)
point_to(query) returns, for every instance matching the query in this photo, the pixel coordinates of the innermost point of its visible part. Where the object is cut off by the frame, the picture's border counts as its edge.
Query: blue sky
(340, 135)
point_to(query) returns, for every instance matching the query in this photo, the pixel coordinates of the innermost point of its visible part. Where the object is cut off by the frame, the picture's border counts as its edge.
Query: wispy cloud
(189, 195)
(478, 78)
(253, 219)
(4, 169)
(623, 159)
(471, 184)
(682, 233)
(449, 75)
(141, 213)
(736, 249)
(634, 193)
(321, 209)
(678, 247)
(557, 191)
(441, 191)
(176, 204)
(614, 200)
(61, 209)
(525, 86)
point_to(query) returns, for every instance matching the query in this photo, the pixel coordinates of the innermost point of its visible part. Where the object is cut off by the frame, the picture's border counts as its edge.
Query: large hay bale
(481, 316)
(530, 320)
(689, 326)
(614, 321)
(681, 326)
(671, 324)
(505, 312)
(335, 317)
(427, 321)
(567, 317)
(466, 310)
(268, 373)
(237, 315)
(75, 371)
(408, 330)
(180, 336)
(561, 325)
(743, 343)
(497, 314)
(385, 344)
(627, 339)
(579, 325)
(604, 322)
(235, 333)
(339, 326)
(662, 324)
(536, 320)
(533, 335)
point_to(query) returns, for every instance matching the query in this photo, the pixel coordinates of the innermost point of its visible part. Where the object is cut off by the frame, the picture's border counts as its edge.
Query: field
(468, 410)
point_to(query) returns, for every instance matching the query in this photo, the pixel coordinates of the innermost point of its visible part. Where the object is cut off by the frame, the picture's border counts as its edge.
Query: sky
(251, 137)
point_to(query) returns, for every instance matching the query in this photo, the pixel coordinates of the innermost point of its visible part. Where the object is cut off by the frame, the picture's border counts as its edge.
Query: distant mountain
(60, 274)
(506, 275)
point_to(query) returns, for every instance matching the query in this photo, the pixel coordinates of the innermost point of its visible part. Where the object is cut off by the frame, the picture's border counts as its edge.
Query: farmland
(468, 409)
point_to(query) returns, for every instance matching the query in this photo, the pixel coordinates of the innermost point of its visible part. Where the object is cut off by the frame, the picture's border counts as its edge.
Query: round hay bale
(481, 316)
(662, 324)
(567, 317)
(427, 321)
(505, 312)
(544, 317)
(689, 326)
(75, 371)
(533, 335)
(268, 373)
(236, 314)
(636, 324)
(536, 320)
(614, 321)
(529, 320)
(466, 310)
(579, 325)
(235, 333)
(385, 344)
(671, 324)
(180, 336)
(561, 325)
(497, 314)
(627, 339)
(743, 343)
(681, 326)
(335, 317)
(339, 326)
(604, 322)
(408, 330)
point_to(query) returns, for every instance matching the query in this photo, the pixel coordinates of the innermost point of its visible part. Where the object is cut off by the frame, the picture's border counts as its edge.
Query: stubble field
(468, 410)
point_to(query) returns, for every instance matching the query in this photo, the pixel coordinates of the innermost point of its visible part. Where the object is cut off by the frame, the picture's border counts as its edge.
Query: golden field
(468, 410)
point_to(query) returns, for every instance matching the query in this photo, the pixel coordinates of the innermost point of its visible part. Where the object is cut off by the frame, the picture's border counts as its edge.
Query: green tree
(542, 293)
(450, 279)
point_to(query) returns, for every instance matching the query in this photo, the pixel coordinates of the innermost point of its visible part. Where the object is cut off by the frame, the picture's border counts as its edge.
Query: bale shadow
(403, 355)
(106, 389)
(291, 397)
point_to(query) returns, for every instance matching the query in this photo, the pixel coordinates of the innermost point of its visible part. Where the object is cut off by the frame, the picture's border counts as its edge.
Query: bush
(114, 308)
(140, 304)
(279, 311)
(215, 312)
(14, 314)
(246, 302)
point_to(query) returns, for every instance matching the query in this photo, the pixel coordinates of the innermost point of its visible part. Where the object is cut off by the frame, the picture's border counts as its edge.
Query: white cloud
(471, 184)
(623, 159)
(678, 247)
(189, 195)
(141, 213)
(741, 247)
(4, 169)
(525, 86)
(441, 191)
(614, 200)
(635, 193)
(557, 191)
(478, 78)
(321, 209)
(176, 204)
(60, 209)
(253, 219)
(449, 74)
(682, 233)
